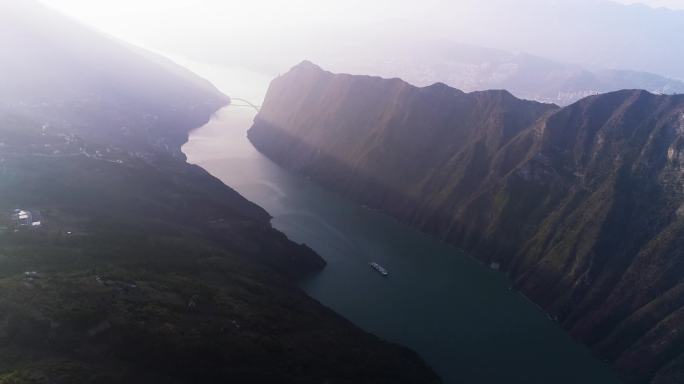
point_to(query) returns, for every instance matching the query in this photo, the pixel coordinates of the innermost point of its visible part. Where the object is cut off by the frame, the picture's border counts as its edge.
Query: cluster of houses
(20, 219)
(23, 218)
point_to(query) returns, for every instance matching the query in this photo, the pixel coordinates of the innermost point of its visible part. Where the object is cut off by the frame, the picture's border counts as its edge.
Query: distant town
(20, 219)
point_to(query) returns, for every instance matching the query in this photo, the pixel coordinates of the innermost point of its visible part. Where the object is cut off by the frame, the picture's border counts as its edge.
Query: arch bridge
(244, 103)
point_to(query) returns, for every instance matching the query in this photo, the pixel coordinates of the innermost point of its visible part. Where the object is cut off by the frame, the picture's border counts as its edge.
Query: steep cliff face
(582, 205)
(608, 258)
(387, 133)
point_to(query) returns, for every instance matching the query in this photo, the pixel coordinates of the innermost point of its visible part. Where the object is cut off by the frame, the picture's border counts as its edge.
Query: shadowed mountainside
(582, 206)
(144, 268)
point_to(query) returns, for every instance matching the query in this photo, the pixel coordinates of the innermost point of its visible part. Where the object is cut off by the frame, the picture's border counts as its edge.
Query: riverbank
(457, 314)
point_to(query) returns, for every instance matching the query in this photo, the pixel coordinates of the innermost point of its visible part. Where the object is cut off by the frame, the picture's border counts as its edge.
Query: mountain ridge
(471, 67)
(144, 268)
(580, 205)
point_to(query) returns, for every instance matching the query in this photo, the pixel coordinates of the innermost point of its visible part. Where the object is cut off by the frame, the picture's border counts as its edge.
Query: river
(459, 315)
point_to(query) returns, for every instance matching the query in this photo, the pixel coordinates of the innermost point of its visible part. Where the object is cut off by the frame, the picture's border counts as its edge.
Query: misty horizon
(366, 192)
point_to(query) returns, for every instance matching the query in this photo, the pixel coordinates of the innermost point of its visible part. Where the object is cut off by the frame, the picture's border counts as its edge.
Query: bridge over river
(245, 103)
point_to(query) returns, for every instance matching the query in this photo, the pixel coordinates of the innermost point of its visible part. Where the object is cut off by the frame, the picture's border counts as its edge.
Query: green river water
(459, 315)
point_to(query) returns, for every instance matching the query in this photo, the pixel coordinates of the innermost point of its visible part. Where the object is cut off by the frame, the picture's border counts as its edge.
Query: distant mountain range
(582, 206)
(145, 269)
(591, 33)
(473, 68)
(58, 71)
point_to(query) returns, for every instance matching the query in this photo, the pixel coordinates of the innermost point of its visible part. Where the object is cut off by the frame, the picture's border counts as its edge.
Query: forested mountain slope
(582, 206)
(137, 267)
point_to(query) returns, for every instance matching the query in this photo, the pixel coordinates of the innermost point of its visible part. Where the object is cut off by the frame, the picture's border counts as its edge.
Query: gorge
(581, 206)
(175, 209)
(145, 268)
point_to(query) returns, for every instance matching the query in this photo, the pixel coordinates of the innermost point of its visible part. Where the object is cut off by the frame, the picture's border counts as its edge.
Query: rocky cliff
(582, 206)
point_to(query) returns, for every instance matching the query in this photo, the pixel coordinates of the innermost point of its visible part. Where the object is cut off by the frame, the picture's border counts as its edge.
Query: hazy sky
(674, 4)
(271, 35)
(251, 28)
(158, 22)
(151, 20)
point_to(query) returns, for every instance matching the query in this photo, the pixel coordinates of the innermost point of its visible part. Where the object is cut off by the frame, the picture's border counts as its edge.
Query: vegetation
(582, 206)
(150, 273)
(145, 269)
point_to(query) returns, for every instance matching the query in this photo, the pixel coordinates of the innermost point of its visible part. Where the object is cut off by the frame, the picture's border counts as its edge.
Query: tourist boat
(379, 268)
